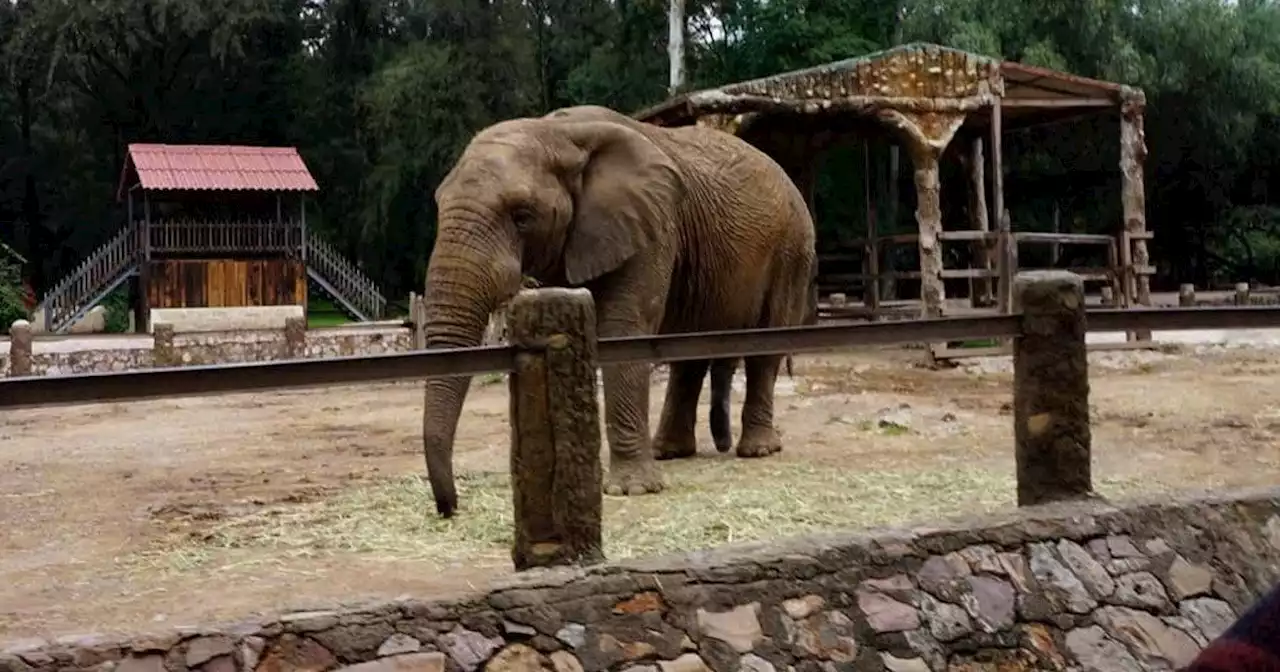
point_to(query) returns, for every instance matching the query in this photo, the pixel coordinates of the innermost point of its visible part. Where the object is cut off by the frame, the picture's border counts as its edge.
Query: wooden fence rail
(554, 356)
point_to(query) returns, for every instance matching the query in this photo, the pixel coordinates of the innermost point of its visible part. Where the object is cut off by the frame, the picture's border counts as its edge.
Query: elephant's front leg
(759, 436)
(630, 303)
(676, 428)
(721, 387)
(632, 470)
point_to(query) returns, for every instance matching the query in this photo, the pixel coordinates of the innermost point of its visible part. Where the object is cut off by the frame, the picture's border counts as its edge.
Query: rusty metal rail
(304, 373)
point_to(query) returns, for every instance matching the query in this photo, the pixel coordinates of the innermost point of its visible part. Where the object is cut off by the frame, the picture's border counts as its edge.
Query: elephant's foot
(759, 442)
(671, 448)
(632, 476)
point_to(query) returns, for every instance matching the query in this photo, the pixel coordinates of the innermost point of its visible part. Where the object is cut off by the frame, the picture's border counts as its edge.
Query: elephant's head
(560, 199)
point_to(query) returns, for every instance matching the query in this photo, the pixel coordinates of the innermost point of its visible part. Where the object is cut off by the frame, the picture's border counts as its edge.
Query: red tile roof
(226, 167)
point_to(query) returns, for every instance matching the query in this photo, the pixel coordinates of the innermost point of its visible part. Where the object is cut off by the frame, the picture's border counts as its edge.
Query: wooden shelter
(930, 97)
(213, 226)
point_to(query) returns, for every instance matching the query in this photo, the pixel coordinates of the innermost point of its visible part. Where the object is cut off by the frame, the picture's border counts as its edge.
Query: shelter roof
(216, 167)
(919, 76)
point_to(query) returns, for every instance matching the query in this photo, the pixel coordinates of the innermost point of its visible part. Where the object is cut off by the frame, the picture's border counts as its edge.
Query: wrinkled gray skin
(722, 371)
(672, 230)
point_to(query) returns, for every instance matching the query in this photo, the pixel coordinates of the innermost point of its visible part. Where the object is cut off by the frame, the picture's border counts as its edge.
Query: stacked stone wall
(1081, 587)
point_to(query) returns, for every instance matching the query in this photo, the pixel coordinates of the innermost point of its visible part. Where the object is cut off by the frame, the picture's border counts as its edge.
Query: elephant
(722, 371)
(670, 229)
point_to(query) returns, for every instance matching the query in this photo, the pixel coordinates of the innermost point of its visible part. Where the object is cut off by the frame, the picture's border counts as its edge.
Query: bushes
(12, 304)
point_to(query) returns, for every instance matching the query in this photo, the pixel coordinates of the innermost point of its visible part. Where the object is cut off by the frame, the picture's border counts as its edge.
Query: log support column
(1134, 258)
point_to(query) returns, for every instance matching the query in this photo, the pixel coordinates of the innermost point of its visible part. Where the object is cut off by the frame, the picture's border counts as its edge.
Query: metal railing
(229, 378)
(98, 274)
(344, 281)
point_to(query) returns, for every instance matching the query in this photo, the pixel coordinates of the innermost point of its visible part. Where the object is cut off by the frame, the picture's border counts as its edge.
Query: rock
(563, 661)
(1098, 547)
(204, 649)
(225, 663)
(738, 627)
(753, 663)
(573, 635)
(517, 658)
(1141, 591)
(615, 649)
(1015, 567)
(983, 559)
(1212, 616)
(148, 663)
(991, 602)
(943, 576)
(1090, 572)
(1121, 546)
(640, 603)
(1127, 566)
(895, 664)
(397, 644)
(924, 644)
(433, 661)
(469, 649)
(1187, 580)
(689, 662)
(827, 636)
(895, 419)
(801, 607)
(1063, 590)
(1097, 652)
(1151, 639)
(886, 614)
(947, 622)
(1273, 531)
(518, 629)
(1186, 625)
(292, 653)
(251, 651)
(1156, 547)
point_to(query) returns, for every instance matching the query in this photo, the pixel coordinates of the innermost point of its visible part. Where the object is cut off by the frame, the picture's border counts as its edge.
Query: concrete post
(1186, 295)
(556, 475)
(295, 337)
(20, 347)
(162, 351)
(1051, 389)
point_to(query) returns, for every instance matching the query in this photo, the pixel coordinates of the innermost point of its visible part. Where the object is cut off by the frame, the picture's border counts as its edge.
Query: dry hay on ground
(195, 509)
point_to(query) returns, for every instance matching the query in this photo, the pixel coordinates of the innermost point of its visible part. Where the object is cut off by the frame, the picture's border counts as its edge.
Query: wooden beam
(1056, 103)
(980, 289)
(1006, 245)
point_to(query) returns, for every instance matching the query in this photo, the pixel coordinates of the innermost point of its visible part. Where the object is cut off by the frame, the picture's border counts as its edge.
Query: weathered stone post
(1186, 295)
(20, 347)
(556, 476)
(1051, 388)
(295, 337)
(1108, 297)
(1242, 294)
(162, 353)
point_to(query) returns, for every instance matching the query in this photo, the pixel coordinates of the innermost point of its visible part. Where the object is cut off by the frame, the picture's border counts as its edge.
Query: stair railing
(66, 301)
(355, 287)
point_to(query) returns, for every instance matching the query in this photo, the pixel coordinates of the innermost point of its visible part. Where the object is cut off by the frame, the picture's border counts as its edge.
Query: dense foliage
(380, 95)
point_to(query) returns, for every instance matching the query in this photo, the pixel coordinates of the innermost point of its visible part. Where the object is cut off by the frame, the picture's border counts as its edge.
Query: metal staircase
(95, 278)
(118, 259)
(340, 279)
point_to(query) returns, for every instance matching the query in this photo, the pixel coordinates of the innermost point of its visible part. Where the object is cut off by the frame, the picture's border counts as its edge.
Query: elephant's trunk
(471, 271)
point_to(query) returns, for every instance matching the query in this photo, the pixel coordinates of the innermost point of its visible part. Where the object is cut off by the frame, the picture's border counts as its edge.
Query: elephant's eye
(522, 218)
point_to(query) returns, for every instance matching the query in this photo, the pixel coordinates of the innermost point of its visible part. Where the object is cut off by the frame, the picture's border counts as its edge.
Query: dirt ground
(171, 512)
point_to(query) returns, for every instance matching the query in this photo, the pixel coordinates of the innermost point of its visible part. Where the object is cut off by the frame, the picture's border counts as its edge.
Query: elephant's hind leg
(677, 426)
(721, 387)
(759, 437)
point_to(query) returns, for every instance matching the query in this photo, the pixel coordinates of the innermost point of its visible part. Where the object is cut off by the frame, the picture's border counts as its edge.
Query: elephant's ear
(628, 195)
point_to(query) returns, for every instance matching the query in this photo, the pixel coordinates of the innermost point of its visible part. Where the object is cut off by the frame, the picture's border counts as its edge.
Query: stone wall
(1081, 587)
(59, 357)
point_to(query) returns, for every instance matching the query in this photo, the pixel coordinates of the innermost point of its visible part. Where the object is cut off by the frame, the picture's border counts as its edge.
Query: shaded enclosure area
(950, 111)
